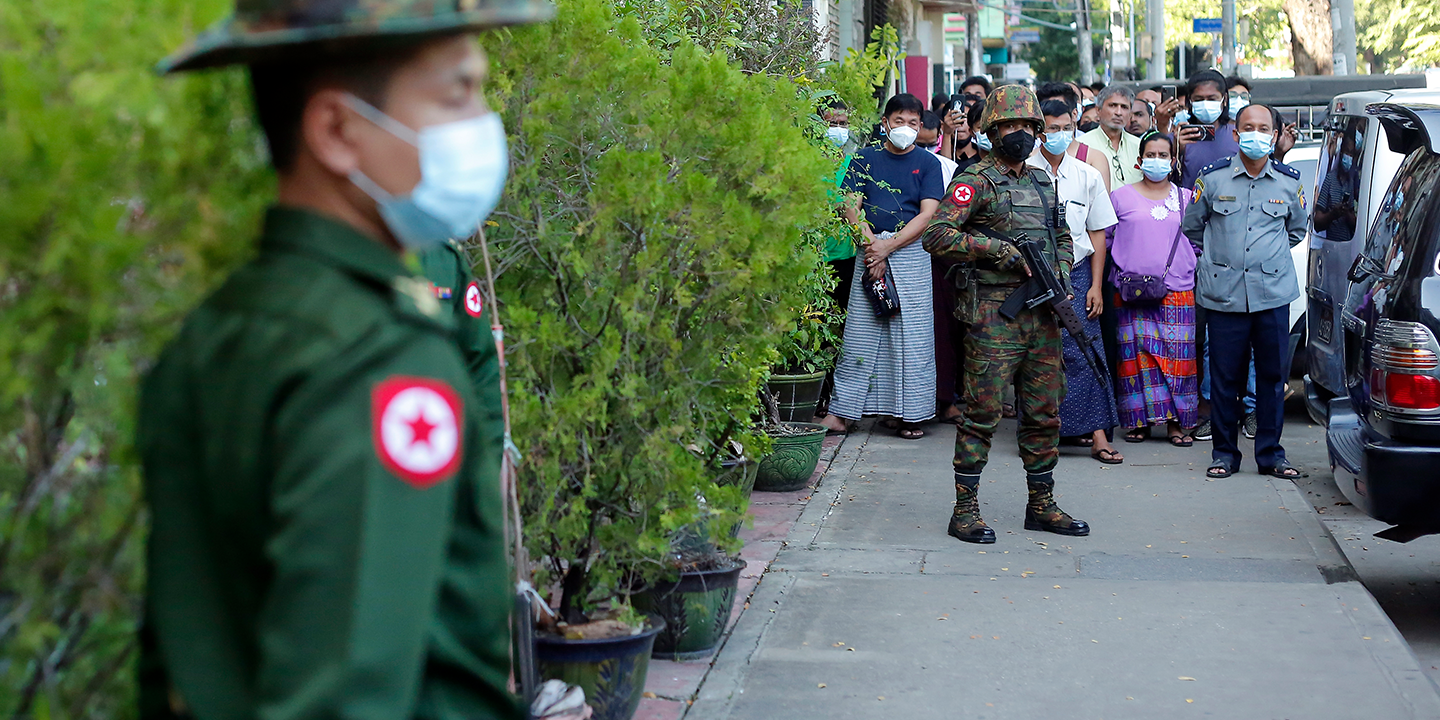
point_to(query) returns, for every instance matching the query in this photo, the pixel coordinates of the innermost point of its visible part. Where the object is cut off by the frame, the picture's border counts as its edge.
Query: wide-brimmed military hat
(273, 30)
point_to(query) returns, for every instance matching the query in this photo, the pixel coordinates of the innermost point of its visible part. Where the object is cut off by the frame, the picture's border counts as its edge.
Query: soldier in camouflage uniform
(986, 206)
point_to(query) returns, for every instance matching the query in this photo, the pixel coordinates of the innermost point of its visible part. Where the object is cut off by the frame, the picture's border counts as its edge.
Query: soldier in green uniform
(321, 441)
(986, 207)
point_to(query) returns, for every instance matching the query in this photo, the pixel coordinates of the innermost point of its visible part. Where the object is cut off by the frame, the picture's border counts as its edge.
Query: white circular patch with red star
(417, 428)
(474, 303)
(963, 194)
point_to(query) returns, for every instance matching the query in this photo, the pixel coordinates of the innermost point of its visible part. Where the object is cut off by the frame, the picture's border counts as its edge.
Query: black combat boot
(965, 523)
(1041, 513)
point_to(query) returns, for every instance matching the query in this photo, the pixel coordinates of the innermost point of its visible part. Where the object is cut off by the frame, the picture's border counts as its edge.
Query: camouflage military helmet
(271, 30)
(1011, 102)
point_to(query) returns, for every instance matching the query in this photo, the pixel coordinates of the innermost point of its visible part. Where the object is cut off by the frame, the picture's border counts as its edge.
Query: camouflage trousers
(998, 352)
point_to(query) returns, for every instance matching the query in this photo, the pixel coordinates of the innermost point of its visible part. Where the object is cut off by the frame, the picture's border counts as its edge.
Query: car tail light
(1402, 358)
(1412, 392)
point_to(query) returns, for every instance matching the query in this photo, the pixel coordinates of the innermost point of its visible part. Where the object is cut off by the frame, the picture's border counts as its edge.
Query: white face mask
(463, 165)
(838, 135)
(1206, 111)
(902, 137)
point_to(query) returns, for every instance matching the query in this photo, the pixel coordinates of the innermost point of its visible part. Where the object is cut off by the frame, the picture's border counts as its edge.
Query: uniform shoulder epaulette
(1286, 170)
(1218, 164)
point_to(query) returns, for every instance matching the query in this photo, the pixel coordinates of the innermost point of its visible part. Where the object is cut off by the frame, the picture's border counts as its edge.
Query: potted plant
(794, 455)
(642, 248)
(808, 349)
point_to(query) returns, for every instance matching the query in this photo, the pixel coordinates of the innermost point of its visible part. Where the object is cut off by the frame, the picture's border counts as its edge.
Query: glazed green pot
(797, 395)
(695, 609)
(792, 462)
(612, 670)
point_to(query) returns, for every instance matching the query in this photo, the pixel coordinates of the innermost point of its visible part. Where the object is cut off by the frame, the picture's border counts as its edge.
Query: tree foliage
(123, 196)
(646, 243)
(1395, 34)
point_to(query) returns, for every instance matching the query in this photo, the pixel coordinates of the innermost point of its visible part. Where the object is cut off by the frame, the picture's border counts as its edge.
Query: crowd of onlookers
(1128, 168)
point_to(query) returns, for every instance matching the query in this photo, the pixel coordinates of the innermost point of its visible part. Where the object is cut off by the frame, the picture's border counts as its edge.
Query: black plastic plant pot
(695, 608)
(611, 670)
(797, 395)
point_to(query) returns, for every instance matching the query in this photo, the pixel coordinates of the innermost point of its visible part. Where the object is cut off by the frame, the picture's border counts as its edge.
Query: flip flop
(1284, 471)
(1138, 435)
(1219, 470)
(1182, 440)
(1100, 455)
(911, 433)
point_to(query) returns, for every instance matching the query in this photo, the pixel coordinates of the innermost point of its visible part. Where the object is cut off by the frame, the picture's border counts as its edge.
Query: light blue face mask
(463, 165)
(1256, 145)
(1155, 169)
(1182, 117)
(838, 135)
(982, 141)
(1056, 143)
(1206, 111)
(1345, 162)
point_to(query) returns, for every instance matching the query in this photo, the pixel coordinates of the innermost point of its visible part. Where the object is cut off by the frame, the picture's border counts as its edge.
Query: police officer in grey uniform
(1249, 210)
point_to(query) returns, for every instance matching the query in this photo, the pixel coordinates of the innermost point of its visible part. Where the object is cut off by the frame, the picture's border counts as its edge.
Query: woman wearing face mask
(1156, 339)
(1208, 105)
(887, 366)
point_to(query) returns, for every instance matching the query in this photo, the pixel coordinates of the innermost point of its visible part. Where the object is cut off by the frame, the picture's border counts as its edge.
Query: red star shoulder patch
(962, 194)
(418, 425)
(474, 301)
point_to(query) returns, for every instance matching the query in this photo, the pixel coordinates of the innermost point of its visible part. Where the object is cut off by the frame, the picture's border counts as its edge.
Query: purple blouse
(1141, 242)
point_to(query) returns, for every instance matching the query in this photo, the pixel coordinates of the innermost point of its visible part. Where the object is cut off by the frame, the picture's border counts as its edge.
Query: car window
(1338, 194)
(1399, 233)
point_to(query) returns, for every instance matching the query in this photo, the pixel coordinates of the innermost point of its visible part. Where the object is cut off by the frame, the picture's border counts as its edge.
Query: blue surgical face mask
(1345, 162)
(982, 141)
(1206, 111)
(1182, 116)
(1056, 143)
(1155, 169)
(838, 135)
(1256, 145)
(1237, 104)
(463, 165)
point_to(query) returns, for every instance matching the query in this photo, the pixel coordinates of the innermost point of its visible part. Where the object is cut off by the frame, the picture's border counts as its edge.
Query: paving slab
(1190, 597)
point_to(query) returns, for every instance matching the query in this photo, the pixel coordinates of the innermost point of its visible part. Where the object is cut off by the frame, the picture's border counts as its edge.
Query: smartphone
(1167, 93)
(1206, 132)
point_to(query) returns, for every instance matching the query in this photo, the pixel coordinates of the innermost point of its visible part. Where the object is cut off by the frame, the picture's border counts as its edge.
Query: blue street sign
(1025, 36)
(1208, 25)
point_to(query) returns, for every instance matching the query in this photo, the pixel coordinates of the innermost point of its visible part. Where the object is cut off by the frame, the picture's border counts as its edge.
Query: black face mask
(1017, 145)
(1088, 126)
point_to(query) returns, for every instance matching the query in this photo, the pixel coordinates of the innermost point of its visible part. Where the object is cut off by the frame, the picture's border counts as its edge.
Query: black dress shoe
(972, 532)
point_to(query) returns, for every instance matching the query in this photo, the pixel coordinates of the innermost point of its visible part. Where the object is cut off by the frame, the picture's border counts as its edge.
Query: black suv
(1384, 434)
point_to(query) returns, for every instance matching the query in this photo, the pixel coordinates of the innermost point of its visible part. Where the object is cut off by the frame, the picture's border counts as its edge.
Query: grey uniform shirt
(1245, 228)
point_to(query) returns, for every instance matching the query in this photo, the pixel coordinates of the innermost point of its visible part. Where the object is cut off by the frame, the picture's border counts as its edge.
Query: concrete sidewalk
(1191, 597)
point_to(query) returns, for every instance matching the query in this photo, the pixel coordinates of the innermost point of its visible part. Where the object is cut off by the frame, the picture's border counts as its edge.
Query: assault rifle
(1044, 287)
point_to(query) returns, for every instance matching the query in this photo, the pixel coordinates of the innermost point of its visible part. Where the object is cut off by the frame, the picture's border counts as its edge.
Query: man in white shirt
(1087, 411)
(929, 139)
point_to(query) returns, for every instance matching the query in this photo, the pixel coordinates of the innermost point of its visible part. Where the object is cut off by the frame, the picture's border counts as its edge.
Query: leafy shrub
(650, 228)
(123, 196)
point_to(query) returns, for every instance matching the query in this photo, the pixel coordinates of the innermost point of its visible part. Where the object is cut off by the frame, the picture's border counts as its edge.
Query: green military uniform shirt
(322, 473)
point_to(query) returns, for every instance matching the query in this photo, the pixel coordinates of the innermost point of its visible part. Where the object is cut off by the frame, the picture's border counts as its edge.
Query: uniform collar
(1237, 167)
(331, 241)
(1003, 168)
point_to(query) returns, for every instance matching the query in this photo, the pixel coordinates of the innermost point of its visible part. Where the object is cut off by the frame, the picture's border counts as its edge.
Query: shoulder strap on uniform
(1217, 165)
(1286, 170)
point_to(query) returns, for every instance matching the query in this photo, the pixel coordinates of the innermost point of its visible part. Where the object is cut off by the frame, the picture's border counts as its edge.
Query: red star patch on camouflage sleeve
(474, 301)
(417, 429)
(962, 194)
